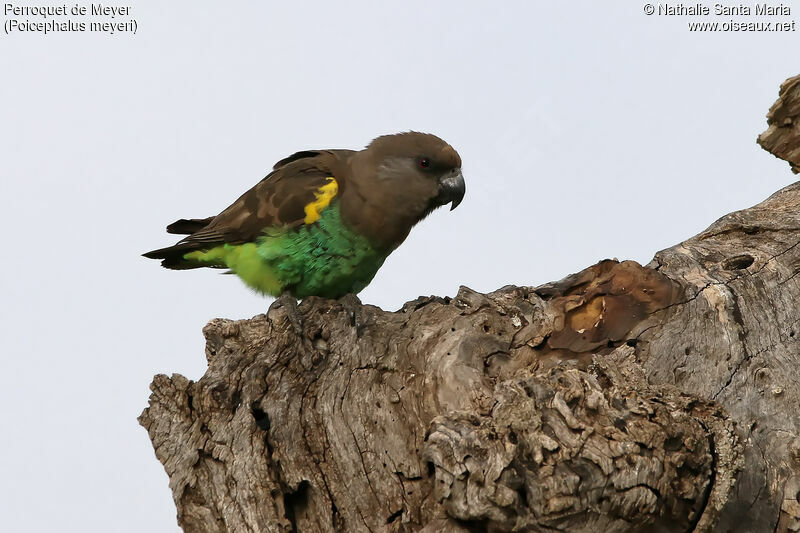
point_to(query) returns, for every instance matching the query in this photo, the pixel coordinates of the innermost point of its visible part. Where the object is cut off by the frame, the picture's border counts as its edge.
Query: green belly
(322, 259)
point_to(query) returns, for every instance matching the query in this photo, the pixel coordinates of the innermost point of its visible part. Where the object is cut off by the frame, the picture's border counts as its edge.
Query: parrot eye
(424, 162)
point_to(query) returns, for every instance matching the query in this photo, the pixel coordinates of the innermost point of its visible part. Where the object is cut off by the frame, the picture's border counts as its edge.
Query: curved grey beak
(452, 189)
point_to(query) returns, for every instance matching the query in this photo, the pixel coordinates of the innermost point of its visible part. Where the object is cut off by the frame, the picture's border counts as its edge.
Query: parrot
(322, 222)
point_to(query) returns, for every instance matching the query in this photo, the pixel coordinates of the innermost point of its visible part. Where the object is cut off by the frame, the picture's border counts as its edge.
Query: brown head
(397, 181)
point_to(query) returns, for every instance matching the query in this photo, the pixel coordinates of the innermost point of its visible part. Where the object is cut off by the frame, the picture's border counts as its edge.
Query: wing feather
(281, 200)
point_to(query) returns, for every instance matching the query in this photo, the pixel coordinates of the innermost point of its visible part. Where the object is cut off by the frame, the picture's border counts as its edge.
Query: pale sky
(588, 130)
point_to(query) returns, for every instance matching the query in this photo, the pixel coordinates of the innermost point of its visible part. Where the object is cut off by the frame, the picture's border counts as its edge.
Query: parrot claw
(289, 305)
(354, 309)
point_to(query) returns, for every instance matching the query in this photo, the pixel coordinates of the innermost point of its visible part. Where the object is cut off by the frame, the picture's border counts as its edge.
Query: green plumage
(322, 259)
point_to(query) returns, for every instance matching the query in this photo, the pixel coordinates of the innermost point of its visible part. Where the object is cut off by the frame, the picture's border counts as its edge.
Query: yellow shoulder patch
(323, 197)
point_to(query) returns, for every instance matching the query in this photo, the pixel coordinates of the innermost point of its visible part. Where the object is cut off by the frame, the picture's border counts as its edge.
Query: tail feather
(187, 226)
(172, 257)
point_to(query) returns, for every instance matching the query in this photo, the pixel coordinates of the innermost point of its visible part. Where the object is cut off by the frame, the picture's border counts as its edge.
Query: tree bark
(622, 398)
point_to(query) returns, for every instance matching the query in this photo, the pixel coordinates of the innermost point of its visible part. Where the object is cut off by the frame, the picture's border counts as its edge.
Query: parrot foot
(289, 305)
(354, 308)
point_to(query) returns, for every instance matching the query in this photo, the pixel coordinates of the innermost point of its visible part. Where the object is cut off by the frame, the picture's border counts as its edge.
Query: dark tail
(187, 226)
(172, 257)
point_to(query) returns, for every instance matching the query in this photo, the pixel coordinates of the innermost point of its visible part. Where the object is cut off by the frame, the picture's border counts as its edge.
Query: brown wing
(278, 200)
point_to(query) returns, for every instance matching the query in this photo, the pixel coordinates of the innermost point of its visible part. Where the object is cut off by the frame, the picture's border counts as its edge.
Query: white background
(588, 130)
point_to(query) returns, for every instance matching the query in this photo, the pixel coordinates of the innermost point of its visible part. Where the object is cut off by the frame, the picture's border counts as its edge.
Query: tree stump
(657, 398)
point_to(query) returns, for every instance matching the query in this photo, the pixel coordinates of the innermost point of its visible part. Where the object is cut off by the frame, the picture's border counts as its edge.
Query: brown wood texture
(622, 398)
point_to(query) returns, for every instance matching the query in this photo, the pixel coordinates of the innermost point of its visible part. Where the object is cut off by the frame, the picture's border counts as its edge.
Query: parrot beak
(452, 188)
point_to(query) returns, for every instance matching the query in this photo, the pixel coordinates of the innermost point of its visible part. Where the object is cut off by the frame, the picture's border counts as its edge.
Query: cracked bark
(621, 398)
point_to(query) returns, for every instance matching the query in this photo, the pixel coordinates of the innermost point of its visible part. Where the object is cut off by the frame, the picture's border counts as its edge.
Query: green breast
(324, 259)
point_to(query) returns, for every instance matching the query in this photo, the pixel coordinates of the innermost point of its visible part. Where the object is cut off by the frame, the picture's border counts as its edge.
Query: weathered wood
(782, 137)
(621, 398)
